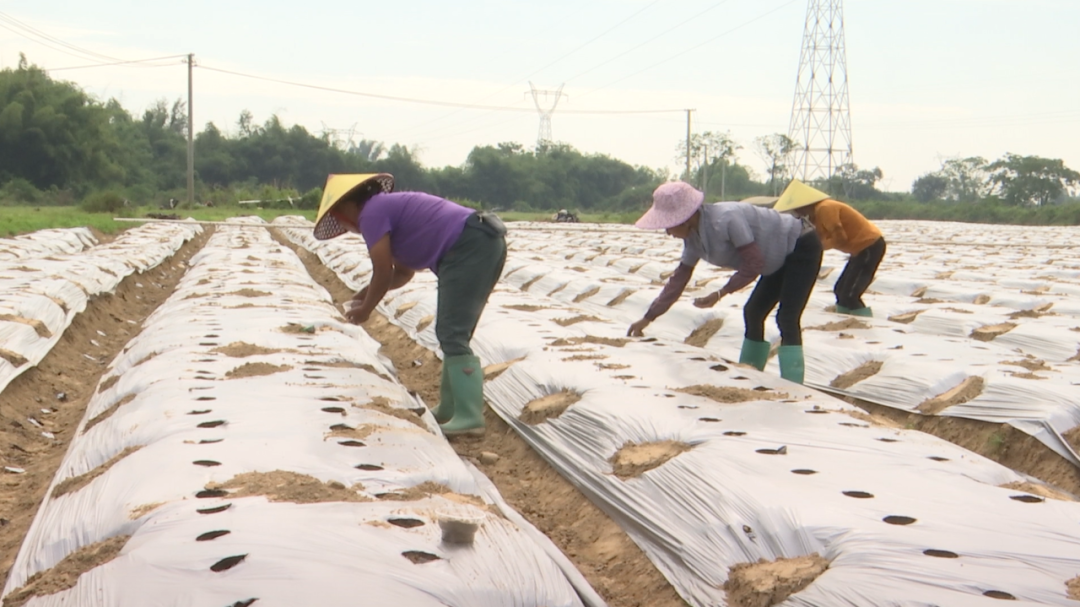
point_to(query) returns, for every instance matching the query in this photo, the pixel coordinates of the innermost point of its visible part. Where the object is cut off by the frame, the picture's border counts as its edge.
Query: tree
(968, 178)
(930, 186)
(853, 183)
(775, 150)
(1032, 180)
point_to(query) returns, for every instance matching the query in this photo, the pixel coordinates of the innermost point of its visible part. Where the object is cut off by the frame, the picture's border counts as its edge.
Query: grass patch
(15, 220)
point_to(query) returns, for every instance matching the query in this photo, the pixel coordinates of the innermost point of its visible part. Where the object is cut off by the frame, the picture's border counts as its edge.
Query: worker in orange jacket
(842, 228)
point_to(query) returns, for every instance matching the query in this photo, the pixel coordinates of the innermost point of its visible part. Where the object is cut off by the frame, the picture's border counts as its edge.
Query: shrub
(103, 202)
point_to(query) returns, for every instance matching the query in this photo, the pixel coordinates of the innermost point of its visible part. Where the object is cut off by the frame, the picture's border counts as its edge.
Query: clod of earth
(633, 459)
(284, 486)
(548, 407)
(856, 375)
(766, 583)
(255, 370)
(700, 336)
(65, 574)
(989, 332)
(962, 393)
(730, 395)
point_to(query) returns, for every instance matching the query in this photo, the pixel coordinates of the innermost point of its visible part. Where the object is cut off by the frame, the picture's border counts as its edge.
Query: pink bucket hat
(673, 203)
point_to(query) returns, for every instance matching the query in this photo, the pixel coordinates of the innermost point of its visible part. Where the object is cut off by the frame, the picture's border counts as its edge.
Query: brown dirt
(590, 339)
(989, 332)
(906, 318)
(573, 320)
(580, 297)
(424, 322)
(767, 583)
(1031, 364)
(840, 325)
(982, 299)
(66, 573)
(729, 395)
(1000, 442)
(16, 360)
(240, 349)
(856, 375)
(962, 393)
(256, 370)
(382, 406)
(78, 482)
(610, 561)
(65, 370)
(250, 293)
(1046, 491)
(621, 297)
(634, 459)
(38, 326)
(548, 407)
(284, 486)
(525, 307)
(701, 335)
(1073, 588)
(106, 414)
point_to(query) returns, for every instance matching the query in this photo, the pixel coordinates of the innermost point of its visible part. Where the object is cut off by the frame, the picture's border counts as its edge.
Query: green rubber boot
(792, 365)
(467, 387)
(444, 411)
(842, 310)
(754, 353)
(862, 312)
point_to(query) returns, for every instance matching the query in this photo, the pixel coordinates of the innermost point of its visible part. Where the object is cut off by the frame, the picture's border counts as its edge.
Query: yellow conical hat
(337, 188)
(797, 195)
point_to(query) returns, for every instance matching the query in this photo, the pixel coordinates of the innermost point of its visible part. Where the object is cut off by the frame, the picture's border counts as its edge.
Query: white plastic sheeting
(1005, 275)
(43, 290)
(902, 517)
(329, 408)
(46, 242)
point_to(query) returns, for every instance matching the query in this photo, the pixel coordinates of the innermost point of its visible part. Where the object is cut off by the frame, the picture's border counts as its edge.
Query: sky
(928, 80)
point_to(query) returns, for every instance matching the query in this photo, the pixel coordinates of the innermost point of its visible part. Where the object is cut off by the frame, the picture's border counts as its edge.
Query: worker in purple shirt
(410, 231)
(756, 242)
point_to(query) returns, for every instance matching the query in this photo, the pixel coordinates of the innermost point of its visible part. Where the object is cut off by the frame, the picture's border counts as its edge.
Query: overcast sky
(929, 79)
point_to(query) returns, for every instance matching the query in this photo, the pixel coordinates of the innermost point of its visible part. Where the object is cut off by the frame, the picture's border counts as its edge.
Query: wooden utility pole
(688, 145)
(190, 134)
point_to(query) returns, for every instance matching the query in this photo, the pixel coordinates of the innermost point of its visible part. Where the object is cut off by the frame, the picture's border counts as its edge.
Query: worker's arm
(676, 284)
(383, 274)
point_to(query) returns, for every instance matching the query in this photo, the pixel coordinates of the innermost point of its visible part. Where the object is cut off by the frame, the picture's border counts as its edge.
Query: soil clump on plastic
(856, 375)
(240, 349)
(611, 562)
(78, 482)
(958, 395)
(66, 573)
(634, 459)
(701, 335)
(767, 583)
(989, 332)
(1073, 588)
(840, 325)
(56, 391)
(256, 370)
(284, 486)
(1000, 442)
(729, 395)
(548, 407)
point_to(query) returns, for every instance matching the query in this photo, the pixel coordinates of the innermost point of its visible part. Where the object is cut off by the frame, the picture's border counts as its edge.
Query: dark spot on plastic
(311, 369)
(214, 510)
(407, 523)
(207, 398)
(352, 443)
(740, 377)
(199, 411)
(853, 425)
(334, 409)
(719, 368)
(762, 389)
(780, 451)
(649, 339)
(209, 463)
(1027, 499)
(708, 419)
(212, 493)
(418, 557)
(368, 467)
(819, 411)
(341, 427)
(804, 471)
(699, 358)
(734, 433)
(208, 343)
(207, 360)
(332, 399)
(893, 519)
(212, 535)
(688, 406)
(208, 441)
(669, 396)
(941, 554)
(314, 376)
(246, 603)
(887, 440)
(211, 336)
(938, 458)
(859, 494)
(213, 424)
(228, 563)
(997, 594)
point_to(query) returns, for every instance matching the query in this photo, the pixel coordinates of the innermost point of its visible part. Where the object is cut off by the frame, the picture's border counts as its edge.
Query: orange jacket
(842, 227)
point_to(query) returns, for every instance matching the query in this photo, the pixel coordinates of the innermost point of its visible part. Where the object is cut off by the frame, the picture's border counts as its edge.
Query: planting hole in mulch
(214, 510)
(859, 494)
(211, 535)
(548, 407)
(941, 554)
(768, 583)
(227, 563)
(893, 519)
(419, 557)
(407, 523)
(634, 459)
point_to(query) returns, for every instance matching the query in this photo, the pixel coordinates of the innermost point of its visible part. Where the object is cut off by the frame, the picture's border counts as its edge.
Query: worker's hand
(360, 296)
(637, 328)
(708, 301)
(358, 314)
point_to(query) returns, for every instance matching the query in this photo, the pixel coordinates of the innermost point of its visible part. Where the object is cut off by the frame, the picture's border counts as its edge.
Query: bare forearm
(675, 286)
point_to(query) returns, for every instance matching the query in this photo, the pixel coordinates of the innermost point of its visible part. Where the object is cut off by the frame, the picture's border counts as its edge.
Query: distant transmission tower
(545, 114)
(821, 114)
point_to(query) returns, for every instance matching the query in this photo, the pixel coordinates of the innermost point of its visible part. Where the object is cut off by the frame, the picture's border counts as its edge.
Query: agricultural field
(186, 418)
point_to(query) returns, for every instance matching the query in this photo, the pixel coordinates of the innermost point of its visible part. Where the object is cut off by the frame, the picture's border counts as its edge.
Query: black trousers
(857, 276)
(790, 286)
(467, 276)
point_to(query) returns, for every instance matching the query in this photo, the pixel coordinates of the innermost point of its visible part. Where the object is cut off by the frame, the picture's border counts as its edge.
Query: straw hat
(798, 195)
(673, 203)
(341, 187)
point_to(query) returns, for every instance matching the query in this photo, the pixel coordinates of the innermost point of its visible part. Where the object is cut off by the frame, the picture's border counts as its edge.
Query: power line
(131, 62)
(88, 54)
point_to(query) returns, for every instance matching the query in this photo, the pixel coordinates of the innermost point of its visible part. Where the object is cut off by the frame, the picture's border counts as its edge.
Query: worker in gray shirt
(756, 242)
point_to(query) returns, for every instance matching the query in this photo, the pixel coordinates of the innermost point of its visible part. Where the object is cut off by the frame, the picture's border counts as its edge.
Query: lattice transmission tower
(821, 115)
(545, 113)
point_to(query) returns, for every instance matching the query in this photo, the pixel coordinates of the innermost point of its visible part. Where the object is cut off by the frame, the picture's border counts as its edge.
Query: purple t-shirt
(422, 227)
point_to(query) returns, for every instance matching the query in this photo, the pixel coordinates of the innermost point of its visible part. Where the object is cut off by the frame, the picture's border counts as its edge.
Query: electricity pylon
(545, 114)
(821, 114)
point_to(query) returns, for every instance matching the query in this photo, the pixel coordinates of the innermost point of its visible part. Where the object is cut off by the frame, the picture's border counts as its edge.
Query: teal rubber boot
(862, 312)
(467, 387)
(792, 365)
(842, 310)
(444, 411)
(755, 353)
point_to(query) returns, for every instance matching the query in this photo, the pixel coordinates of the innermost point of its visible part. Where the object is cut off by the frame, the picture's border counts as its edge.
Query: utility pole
(688, 145)
(190, 134)
(705, 177)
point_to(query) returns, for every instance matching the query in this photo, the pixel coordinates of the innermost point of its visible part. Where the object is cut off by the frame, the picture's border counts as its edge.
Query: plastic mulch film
(250, 446)
(40, 294)
(43, 243)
